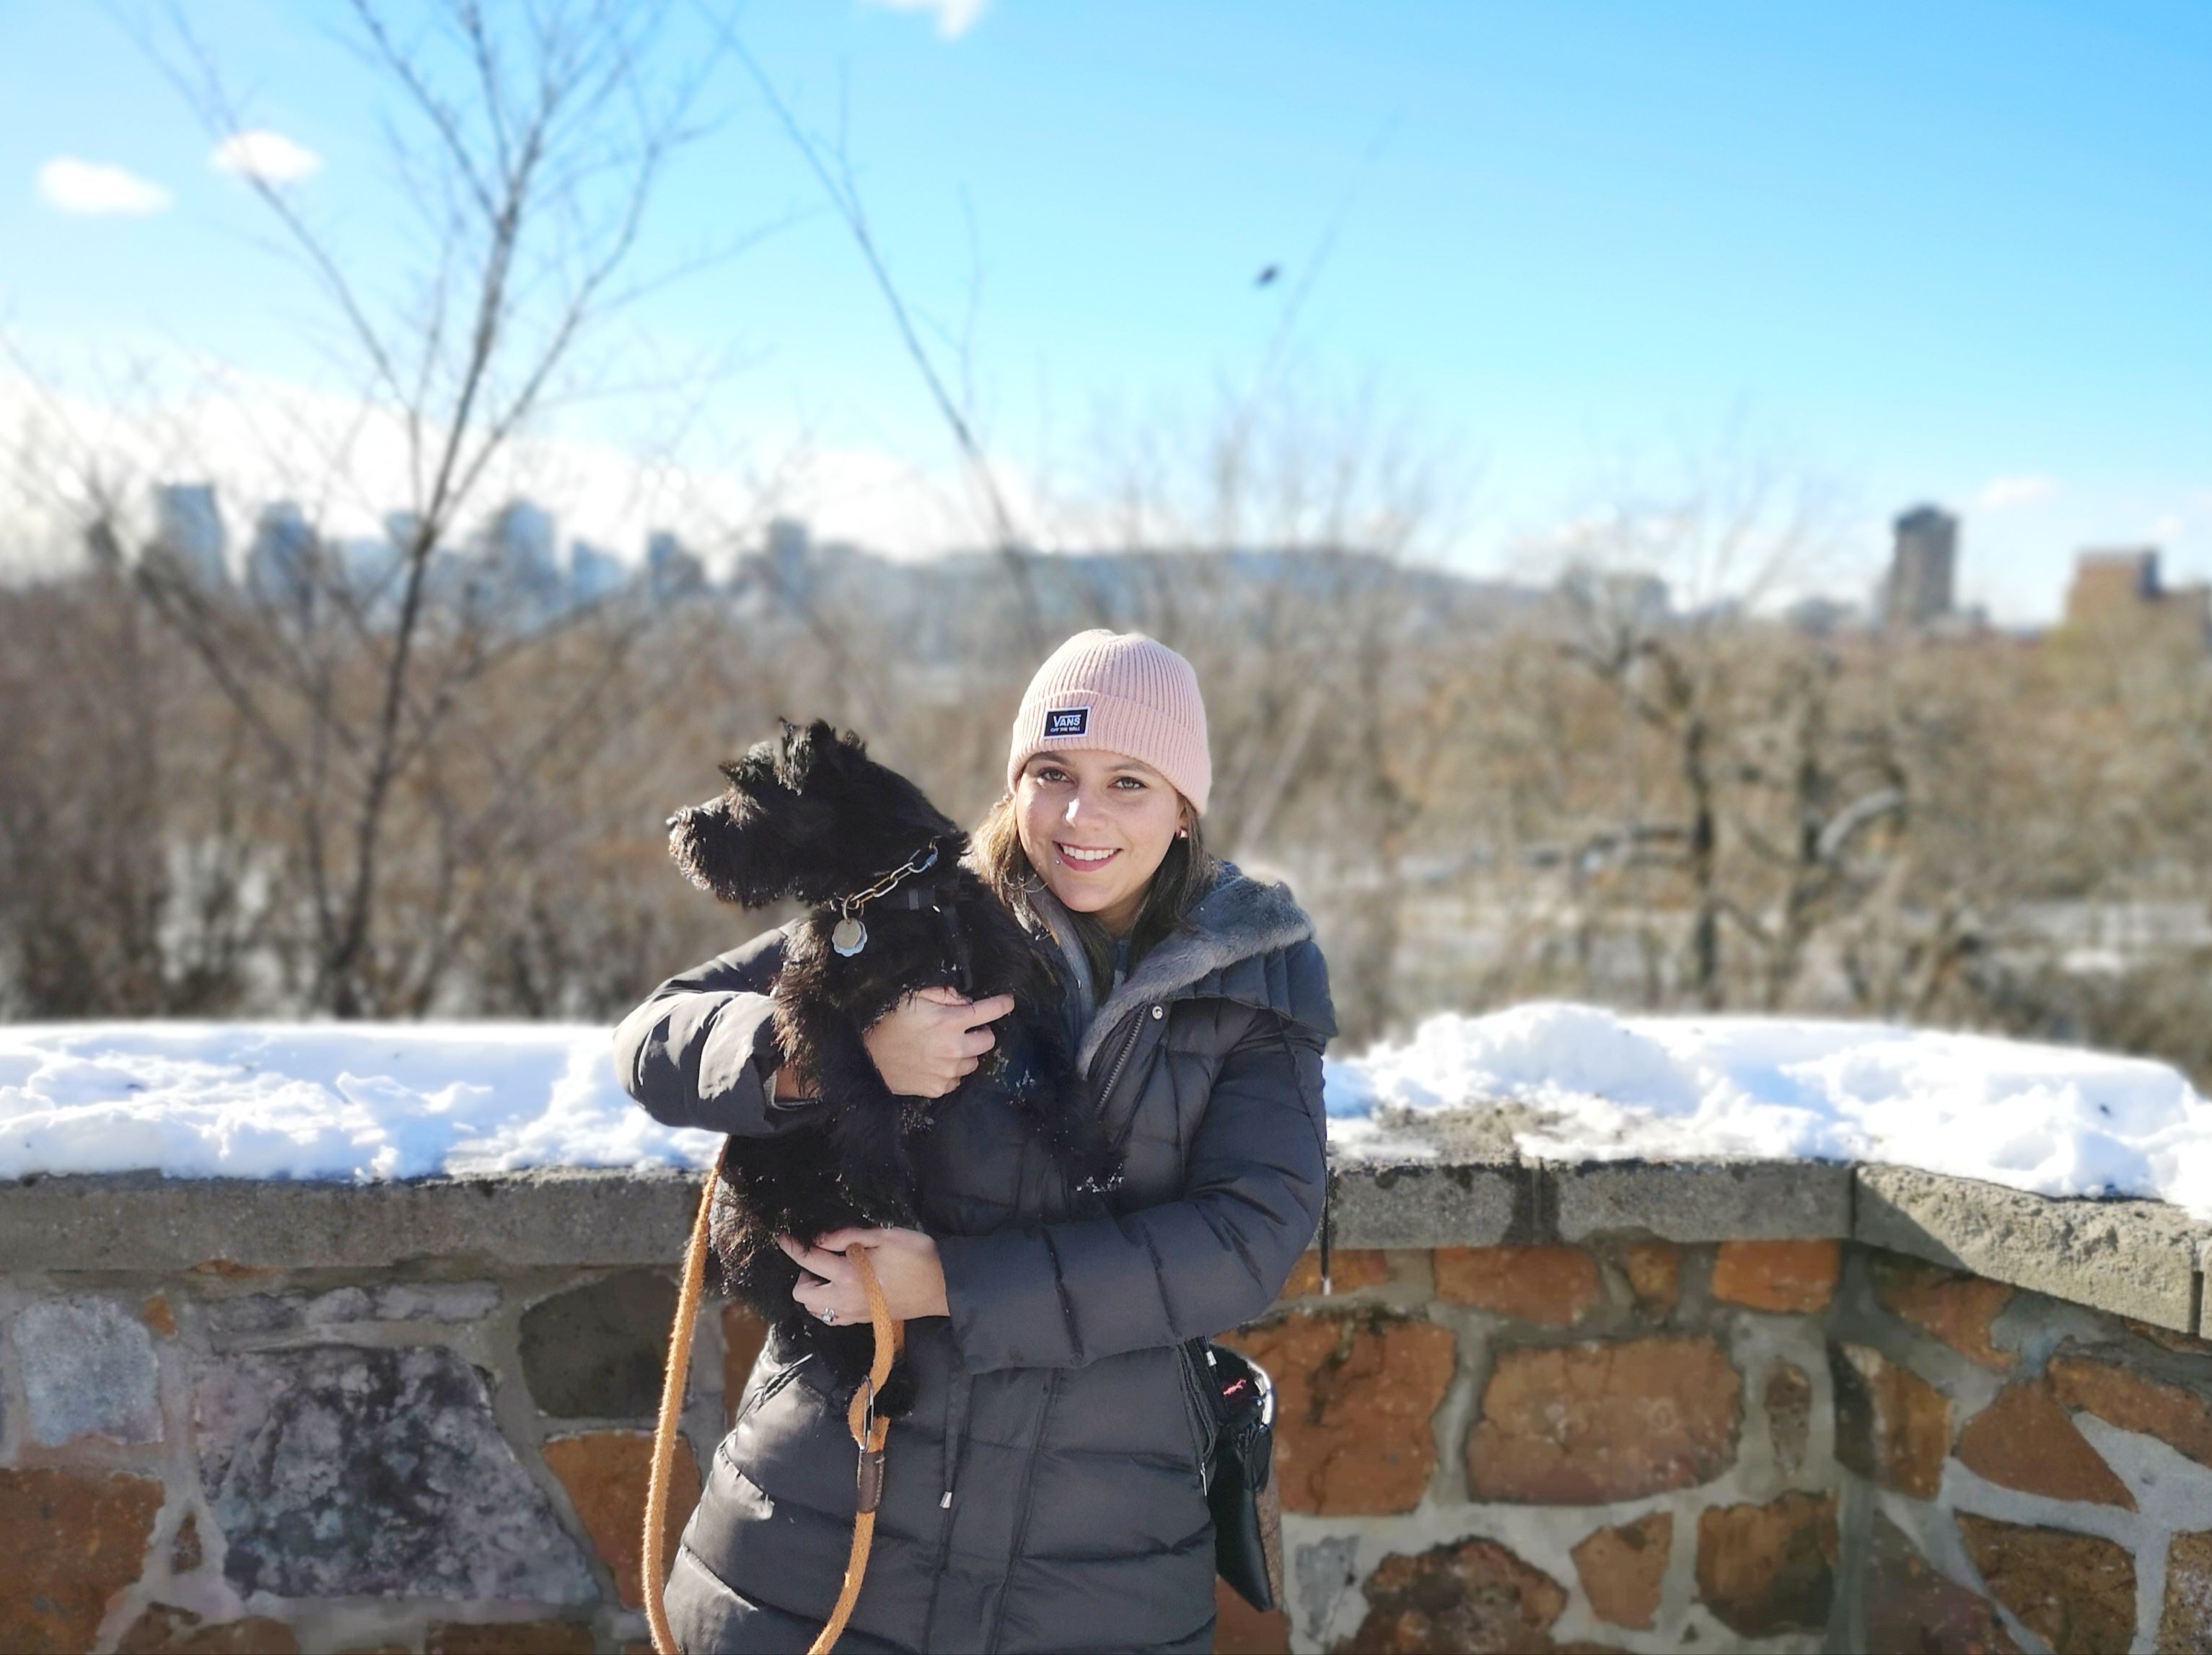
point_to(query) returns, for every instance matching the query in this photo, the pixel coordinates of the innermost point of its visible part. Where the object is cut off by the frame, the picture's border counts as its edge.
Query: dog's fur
(811, 816)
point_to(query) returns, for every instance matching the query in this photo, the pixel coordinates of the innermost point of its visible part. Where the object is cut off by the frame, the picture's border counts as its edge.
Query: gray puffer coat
(1043, 1494)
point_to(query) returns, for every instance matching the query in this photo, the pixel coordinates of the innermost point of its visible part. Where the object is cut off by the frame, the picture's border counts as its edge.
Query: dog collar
(848, 936)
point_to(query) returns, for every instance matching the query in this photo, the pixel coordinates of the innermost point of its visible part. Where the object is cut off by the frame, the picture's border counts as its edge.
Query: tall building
(593, 574)
(188, 531)
(2116, 594)
(672, 573)
(1923, 565)
(280, 562)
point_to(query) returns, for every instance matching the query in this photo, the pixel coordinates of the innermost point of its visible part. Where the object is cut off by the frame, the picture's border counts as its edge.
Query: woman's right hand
(932, 1040)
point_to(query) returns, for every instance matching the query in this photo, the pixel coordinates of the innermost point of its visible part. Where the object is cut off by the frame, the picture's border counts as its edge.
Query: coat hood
(1246, 941)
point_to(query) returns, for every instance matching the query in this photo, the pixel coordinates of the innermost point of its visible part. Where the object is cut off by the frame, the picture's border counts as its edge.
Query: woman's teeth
(1085, 858)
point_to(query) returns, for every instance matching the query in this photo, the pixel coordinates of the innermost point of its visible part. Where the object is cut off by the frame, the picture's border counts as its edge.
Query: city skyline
(1949, 255)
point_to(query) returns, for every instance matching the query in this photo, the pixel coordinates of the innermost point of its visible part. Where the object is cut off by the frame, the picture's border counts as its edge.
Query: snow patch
(2051, 1120)
(361, 1101)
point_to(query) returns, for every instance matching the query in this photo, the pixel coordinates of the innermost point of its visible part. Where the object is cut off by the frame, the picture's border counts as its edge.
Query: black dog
(811, 816)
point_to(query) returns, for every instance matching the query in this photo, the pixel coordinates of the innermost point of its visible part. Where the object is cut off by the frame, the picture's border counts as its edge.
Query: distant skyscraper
(280, 562)
(188, 531)
(672, 572)
(593, 574)
(2118, 596)
(1922, 568)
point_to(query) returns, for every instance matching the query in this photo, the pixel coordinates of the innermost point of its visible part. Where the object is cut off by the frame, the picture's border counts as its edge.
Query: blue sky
(1951, 252)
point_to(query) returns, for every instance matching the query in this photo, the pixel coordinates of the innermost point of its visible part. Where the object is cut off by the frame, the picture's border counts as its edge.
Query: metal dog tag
(848, 936)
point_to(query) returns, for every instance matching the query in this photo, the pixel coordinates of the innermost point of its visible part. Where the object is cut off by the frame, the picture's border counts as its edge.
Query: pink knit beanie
(1125, 693)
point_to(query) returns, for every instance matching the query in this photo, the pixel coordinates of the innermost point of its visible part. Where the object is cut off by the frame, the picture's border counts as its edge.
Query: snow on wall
(1594, 1085)
(360, 1101)
(371, 1101)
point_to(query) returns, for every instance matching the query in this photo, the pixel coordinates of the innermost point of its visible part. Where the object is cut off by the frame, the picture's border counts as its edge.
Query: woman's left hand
(906, 1265)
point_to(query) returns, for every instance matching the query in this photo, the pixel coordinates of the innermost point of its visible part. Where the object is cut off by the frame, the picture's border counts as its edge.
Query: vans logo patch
(1072, 720)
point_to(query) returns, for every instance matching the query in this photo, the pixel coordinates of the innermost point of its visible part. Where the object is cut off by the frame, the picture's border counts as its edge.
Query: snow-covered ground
(1568, 1082)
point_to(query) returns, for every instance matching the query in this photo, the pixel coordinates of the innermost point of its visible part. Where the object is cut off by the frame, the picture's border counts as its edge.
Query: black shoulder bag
(1240, 1484)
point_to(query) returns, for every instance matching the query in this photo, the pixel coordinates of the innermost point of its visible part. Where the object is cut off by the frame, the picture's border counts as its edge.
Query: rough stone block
(1554, 1285)
(1765, 1569)
(605, 1473)
(1353, 1399)
(1322, 1573)
(1424, 1203)
(1654, 1270)
(142, 1221)
(1622, 1569)
(88, 1369)
(1475, 1595)
(1349, 1267)
(1891, 1424)
(1944, 1304)
(164, 1630)
(249, 1317)
(743, 1336)
(1704, 1201)
(2134, 1257)
(2185, 1627)
(508, 1638)
(2025, 1440)
(1909, 1606)
(1789, 1399)
(1591, 1424)
(2178, 1418)
(596, 1352)
(73, 1539)
(338, 1470)
(2075, 1592)
(1788, 1276)
(1240, 1629)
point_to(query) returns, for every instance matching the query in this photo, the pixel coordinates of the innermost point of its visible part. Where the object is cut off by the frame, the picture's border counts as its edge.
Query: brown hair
(1185, 873)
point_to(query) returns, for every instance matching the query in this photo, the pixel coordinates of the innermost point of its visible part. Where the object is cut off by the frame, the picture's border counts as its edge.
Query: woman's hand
(932, 1040)
(907, 1268)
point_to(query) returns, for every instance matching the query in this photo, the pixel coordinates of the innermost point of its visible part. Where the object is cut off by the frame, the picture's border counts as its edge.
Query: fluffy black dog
(811, 816)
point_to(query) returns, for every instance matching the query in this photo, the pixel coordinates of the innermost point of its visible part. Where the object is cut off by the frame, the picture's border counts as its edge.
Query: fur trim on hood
(1244, 941)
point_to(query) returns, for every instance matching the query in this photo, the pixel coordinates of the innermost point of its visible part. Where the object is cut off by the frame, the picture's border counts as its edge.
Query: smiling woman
(1046, 1488)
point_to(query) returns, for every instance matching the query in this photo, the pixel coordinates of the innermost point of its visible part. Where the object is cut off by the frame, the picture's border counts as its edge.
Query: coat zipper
(1122, 1059)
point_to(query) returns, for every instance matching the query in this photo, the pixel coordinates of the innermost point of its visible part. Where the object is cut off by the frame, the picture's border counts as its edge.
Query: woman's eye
(1130, 781)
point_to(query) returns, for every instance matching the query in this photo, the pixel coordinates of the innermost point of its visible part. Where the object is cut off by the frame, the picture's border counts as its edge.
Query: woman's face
(1094, 825)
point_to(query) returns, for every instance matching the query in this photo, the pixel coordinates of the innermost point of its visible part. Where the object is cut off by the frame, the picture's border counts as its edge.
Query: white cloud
(90, 186)
(2001, 492)
(269, 156)
(954, 17)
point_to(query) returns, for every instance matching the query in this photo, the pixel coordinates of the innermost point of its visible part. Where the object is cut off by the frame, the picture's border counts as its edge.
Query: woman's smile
(1085, 859)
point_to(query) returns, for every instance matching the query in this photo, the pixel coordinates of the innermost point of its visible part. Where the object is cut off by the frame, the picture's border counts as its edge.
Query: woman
(1044, 1493)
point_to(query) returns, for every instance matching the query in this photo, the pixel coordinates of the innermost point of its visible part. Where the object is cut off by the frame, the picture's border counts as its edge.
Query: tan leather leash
(869, 1433)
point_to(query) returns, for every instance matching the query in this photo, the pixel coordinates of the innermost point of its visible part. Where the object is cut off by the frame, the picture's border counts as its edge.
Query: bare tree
(531, 143)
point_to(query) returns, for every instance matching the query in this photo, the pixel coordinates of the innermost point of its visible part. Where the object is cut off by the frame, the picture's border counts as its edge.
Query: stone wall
(1769, 1408)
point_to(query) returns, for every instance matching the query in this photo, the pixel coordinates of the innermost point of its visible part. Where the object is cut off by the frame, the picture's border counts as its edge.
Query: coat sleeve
(1064, 1294)
(701, 1052)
